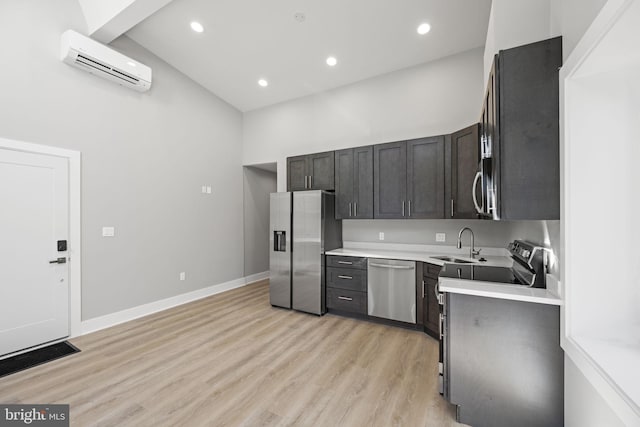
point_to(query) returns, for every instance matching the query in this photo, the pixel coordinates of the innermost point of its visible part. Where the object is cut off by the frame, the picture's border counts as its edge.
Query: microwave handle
(473, 192)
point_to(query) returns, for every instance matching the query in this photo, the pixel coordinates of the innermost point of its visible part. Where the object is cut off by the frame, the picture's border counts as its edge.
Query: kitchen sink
(453, 260)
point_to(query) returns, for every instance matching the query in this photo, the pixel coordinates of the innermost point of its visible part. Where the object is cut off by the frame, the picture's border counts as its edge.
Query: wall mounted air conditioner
(100, 60)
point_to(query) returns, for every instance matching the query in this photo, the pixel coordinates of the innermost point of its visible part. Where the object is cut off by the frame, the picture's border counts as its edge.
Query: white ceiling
(245, 40)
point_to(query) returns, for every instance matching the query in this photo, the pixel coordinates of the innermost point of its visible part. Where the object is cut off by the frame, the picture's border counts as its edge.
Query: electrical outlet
(183, 275)
(441, 237)
(108, 231)
(208, 189)
(204, 189)
(381, 236)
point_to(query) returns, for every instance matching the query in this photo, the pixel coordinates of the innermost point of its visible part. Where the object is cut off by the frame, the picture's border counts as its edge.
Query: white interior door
(34, 215)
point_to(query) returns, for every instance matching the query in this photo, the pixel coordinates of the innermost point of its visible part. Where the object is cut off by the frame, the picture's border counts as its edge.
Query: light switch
(208, 189)
(204, 189)
(441, 237)
(183, 275)
(381, 236)
(108, 231)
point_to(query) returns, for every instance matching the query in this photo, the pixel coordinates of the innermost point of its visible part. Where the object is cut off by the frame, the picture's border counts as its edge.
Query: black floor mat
(36, 357)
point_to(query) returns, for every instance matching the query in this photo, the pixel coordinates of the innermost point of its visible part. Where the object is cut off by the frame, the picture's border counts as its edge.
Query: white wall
(571, 18)
(431, 99)
(144, 159)
(258, 185)
(514, 23)
(583, 405)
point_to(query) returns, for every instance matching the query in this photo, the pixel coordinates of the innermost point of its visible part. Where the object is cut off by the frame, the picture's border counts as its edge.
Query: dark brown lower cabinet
(347, 284)
(430, 309)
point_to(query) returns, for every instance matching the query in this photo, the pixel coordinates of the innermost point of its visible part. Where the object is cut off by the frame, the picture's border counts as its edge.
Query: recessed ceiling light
(263, 83)
(197, 27)
(424, 28)
(332, 61)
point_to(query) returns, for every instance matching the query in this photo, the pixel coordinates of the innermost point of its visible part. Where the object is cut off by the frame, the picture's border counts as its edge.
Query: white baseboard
(257, 277)
(113, 319)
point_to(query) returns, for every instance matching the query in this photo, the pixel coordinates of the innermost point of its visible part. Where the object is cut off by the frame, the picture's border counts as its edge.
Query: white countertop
(420, 253)
(496, 257)
(498, 290)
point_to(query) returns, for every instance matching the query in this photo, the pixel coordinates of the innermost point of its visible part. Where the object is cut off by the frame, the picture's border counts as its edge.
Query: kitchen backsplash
(487, 233)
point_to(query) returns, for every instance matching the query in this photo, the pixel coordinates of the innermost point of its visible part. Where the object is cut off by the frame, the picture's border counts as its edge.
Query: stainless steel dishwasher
(391, 289)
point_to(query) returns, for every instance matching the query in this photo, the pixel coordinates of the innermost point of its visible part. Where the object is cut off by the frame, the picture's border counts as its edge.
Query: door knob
(62, 260)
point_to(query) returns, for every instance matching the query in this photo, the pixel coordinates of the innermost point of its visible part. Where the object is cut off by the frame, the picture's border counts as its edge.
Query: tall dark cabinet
(311, 172)
(354, 183)
(390, 180)
(425, 178)
(520, 128)
(465, 158)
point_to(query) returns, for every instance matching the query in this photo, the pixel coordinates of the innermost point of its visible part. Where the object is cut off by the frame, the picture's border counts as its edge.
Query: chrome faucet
(472, 249)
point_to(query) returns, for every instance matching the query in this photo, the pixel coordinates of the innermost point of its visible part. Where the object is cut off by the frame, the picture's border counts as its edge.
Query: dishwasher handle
(397, 267)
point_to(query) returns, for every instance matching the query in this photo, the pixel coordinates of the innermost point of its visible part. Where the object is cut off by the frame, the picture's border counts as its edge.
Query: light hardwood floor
(232, 359)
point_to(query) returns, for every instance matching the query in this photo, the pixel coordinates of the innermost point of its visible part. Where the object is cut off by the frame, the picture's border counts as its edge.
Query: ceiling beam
(107, 20)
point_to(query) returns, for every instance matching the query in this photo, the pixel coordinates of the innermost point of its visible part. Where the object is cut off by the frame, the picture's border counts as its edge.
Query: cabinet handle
(409, 208)
(403, 208)
(355, 208)
(305, 182)
(440, 326)
(349, 208)
(345, 277)
(345, 298)
(345, 262)
(423, 289)
(451, 208)
(310, 182)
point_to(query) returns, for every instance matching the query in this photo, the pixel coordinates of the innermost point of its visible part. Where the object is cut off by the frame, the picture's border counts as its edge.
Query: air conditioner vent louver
(103, 61)
(81, 59)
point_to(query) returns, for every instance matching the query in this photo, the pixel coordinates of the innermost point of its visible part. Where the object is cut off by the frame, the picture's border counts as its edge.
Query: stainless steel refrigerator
(302, 228)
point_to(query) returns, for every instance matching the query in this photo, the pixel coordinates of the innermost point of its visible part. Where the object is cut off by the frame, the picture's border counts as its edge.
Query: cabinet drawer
(432, 270)
(344, 300)
(346, 262)
(347, 278)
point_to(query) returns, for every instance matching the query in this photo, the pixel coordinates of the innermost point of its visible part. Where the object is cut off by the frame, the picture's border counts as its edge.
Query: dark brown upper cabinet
(425, 178)
(354, 183)
(520, 126)
(297, 173)
(390, 180)
(409, 179)
(464, 164)
(311, 172)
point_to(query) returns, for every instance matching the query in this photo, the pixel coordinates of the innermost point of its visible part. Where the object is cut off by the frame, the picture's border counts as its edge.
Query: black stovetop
(483, 273)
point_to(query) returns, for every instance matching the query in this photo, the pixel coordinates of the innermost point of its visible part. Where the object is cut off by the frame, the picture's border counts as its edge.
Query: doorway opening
(260, 180)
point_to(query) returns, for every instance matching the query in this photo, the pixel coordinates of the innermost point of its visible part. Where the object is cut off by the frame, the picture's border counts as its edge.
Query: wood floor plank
(233, 360)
